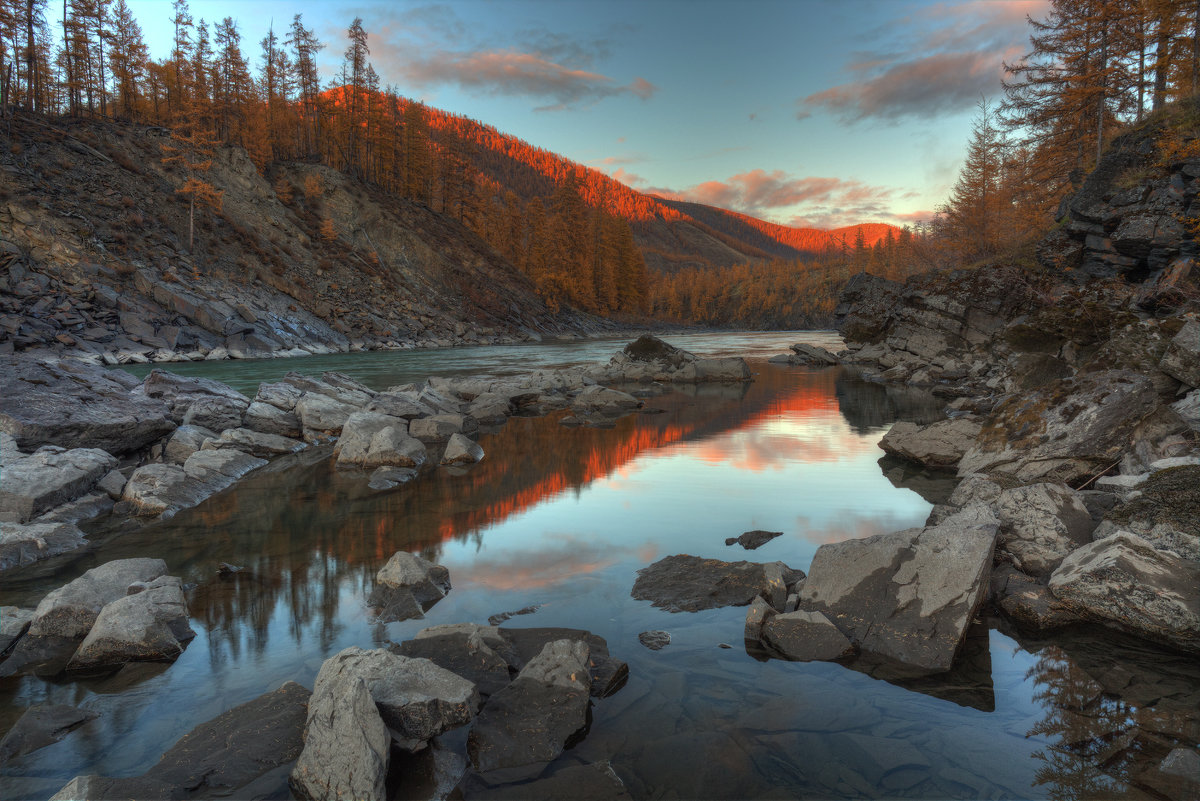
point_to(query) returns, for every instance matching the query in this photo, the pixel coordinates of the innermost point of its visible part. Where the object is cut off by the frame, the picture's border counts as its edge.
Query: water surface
(562, 519)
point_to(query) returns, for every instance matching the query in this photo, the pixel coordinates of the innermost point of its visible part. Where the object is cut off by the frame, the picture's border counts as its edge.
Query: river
(561, 519)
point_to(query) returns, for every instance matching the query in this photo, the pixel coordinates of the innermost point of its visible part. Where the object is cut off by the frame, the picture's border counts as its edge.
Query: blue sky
(804, 112)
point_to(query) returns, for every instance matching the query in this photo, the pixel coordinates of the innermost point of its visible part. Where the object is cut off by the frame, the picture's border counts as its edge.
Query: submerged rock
(40, 726)
(753, 540)
(683, 583)
(655, 640)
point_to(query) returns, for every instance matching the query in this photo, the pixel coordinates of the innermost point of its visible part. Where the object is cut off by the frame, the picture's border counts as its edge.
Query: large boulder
(440, 427)
(940, 444)
(347, 748)
(71, 610)
(74, 405)
(908, 596)
(805, 636)
(255, 443)
(863, 308)
(1040, 524)
(416, 699)
(1124, 582)
(149, 625)
(1182, 359)
(185, 441)
(50, 477)
(323, 414)
(683, 583)
(461, 450)
(216, 413)
(1165, 511)
(526, 725)
(476, 653)
(161, 490)
(270, 419)
(408, 586)
(371, 439)
(1066, 432)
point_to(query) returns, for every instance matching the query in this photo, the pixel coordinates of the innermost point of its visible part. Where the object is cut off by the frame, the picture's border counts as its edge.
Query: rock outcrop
(683, 583)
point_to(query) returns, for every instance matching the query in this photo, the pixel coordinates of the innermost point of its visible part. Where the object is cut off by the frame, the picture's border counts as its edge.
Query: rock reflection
(868, 405)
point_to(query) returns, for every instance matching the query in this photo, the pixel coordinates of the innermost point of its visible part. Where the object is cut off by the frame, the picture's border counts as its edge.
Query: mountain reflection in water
(562, 518)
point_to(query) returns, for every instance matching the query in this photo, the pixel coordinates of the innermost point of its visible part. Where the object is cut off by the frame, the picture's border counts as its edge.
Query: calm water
(563, 518)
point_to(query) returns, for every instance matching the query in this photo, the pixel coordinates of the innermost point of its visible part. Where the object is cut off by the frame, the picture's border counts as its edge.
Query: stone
(1182, 359)
(1066, 432)
(908, 596)
(24, 544)
(322, 413)
(805, 636)
(216, 413)
(386, 478)
(461, 450)
(683, 583)
(268, 419)
(655, 640)
(1124, 582)
(1040, 524)
(490, 409)
(1165, 513)
(254, 443)
(732, 368)
(112, 485)
(591, 782)
(753, 540)
(335, 386)
(404, 570)
(1188, 409)
(757, 614)
(74, 405)
(180, 392)
(150, 625)
(1182, 762)
(161, 490)
(371, 439)
(476, 653)
(440, 427)
(608, 674)
(403, 405)
(71, 610)
(14, 622)
(48, 478)
(416, 699)
(346, 745)
(601, 400)
(1028, 601)
(939, 445)
(41, 725)
(813, 354)
(281, 395)
(185, 441)
(527, 724)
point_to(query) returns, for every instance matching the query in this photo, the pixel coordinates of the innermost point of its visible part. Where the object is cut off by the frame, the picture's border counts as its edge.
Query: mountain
(672, 234)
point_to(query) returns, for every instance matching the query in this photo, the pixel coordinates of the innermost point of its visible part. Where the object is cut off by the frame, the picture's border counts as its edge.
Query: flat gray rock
(24, 544)
(805, 637)
(907, 596)
(149, 625)
(753, 540)
(71, 610)
(74, 405)
(161, 490)
(347, 747)
(268, 419)
(1040, 524)
(255, 443)
(50, 477)
(322, 413)
(185, 441)
(14, 622)
(683, 583)
(938, 445)
(1124, 582)
(40, 726)
(461, 450)
(180, 392)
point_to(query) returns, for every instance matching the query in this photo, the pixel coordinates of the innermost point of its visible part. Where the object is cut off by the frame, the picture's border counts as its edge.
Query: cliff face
(94, 259)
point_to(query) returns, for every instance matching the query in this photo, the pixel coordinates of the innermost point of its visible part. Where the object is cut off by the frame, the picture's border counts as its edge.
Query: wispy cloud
(947, 58)
(429, 47)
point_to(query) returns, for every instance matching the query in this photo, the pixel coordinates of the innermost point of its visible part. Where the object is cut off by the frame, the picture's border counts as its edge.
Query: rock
(185, 441)
(336, 386)
(440, 427)
(162, 490)
(322, 413)
(281, 395)
(655, 640)
(1028, 601)
(753, 540)
(254, 443)
(1124, 582)
(601, 400)
(863, 307)
(268, 419)
(427, 581)
(180, 393)
(71, 610)
(150, 625)
(757, 614)
(75, 405)
(1182, 762)
(476, 653)
(1182, 359)
(733, 368)
(112, 485)
(683, 583)
(941, 444)
(490, 409)
(805, 637)
(461, 450)
(370, 439)
(386, 478)
(589, 782)
(1040, 524)
(346, 745)
(416, 699)
(40, 726)
(1166, 511)
(216, 414)
(14, 622)
(908, 596)
(608, 674)
(526, 725)
(1188, 409)
(651, 349)
(24, 544)
(813, 354)
(1066, 432)
(403, 405)
(48, 478)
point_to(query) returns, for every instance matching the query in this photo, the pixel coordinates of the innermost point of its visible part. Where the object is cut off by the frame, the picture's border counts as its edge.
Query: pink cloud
(760, 192)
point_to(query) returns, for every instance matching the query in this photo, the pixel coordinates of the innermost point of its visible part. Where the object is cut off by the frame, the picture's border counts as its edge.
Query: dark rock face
(863, 307)
(752, 540)
(647, 348)
(683, 583)
(1028, 601)
(655, 640)
(40, 726)
(908, 596)
(528, 723)
(179, 392)
(407, 586)
(71, 404)
(805, 637)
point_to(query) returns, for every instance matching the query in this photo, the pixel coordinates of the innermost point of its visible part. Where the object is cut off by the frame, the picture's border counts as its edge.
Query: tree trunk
(30, 57)
(191, 224)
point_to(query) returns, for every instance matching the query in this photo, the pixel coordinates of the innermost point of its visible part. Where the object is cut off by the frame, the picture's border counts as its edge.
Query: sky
(809, 113)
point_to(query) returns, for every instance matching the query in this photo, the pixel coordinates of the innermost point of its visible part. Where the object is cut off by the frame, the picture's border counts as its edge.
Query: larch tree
(181, 51)
(127, 59)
